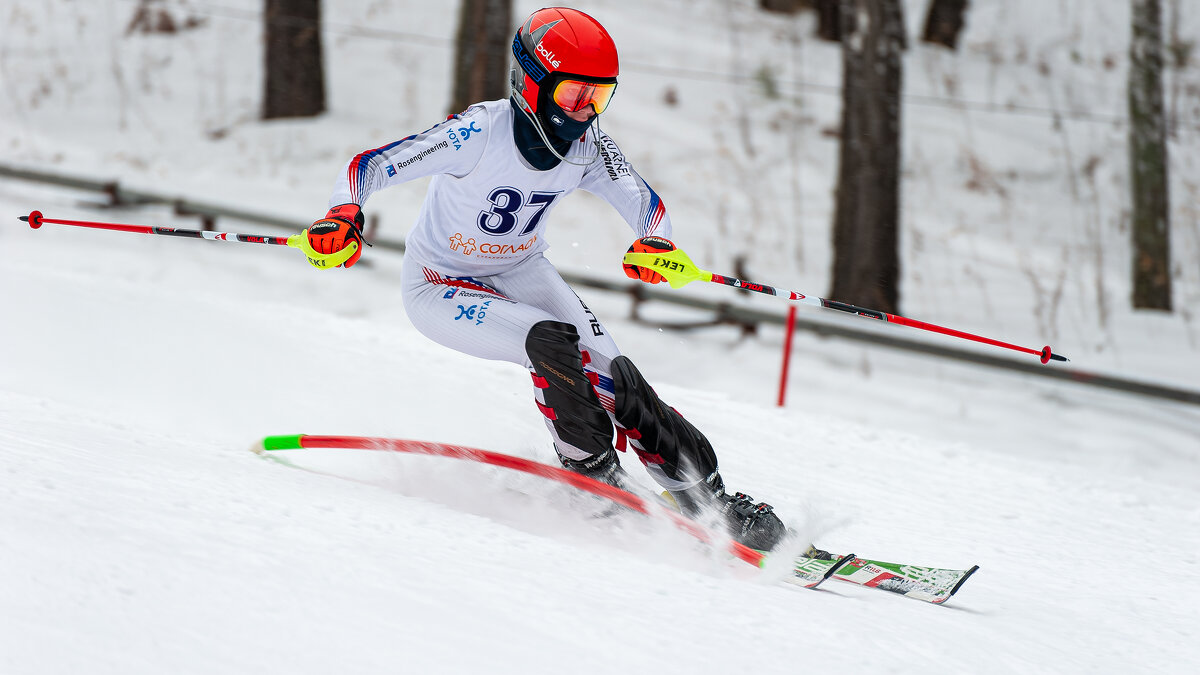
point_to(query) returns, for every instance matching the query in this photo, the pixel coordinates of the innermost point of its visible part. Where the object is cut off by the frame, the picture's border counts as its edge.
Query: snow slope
(139, 535)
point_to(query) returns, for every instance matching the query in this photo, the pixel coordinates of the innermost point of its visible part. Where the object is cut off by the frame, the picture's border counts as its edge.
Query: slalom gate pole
(579, 481)
(36, 220)
(679, 270)
(787, 354)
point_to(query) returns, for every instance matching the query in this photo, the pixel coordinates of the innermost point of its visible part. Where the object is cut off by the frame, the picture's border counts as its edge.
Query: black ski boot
(605, 468)
(675, 452)
(754, 525)
(816, 553)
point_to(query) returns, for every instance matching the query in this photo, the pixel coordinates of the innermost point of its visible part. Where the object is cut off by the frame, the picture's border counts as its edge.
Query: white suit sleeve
(439, 149)
(614, 180)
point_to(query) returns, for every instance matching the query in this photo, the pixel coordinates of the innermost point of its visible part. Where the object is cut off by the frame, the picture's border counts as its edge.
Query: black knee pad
(579, 418)
(666, 437)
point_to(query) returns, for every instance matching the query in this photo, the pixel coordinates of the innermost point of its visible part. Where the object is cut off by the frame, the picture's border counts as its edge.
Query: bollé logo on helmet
(550, 58)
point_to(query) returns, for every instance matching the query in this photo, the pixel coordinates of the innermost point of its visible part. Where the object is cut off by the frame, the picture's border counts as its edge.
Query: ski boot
(817, 554)
(605, 468)
(674, 452)
(751, 524)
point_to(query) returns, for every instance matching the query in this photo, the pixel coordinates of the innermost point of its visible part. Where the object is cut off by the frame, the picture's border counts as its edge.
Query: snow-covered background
(137, 534)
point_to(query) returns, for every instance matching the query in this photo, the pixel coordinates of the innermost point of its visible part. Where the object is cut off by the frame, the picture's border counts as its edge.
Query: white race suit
(475, 278)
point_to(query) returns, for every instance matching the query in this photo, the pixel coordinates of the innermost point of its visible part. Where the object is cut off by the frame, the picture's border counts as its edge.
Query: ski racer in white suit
(475, 279)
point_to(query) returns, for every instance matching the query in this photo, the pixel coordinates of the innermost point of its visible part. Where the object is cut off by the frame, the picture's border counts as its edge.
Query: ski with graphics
(934, 585)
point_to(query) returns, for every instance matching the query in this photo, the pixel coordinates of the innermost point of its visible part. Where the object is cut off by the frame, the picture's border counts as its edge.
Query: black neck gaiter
(530, 143)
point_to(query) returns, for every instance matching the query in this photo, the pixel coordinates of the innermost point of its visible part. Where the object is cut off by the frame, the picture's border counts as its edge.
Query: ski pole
(297, 241)
(679, 270)
(36, 220)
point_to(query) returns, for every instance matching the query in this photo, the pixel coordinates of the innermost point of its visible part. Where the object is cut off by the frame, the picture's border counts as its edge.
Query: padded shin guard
(578, 416)
(667, 440)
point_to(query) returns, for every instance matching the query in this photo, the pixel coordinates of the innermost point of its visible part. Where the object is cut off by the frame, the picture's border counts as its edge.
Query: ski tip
(845, 560)
(962, 581)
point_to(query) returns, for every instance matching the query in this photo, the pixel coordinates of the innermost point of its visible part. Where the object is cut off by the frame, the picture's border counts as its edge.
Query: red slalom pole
(576, 480)
(36, 220)
(787, 353)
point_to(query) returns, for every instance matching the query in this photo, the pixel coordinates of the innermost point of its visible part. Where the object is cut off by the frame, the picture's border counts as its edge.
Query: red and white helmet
(564, 62)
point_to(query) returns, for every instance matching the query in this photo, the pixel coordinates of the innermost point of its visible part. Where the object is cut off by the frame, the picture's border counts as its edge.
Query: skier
(475, 279)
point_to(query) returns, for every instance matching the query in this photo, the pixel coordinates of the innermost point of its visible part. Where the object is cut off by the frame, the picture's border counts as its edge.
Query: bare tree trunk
(829, 20)
(295, 71)
(829, 24)
(1148, 160)
(944, 22)
(784, 6)
(483, 53)
(866, 262)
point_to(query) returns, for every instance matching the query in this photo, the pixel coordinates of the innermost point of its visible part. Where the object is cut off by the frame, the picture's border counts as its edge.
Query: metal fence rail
(723, 312)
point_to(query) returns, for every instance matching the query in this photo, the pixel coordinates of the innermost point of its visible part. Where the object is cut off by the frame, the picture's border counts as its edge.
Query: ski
(929, 584)
(934, 585)
(810, 572)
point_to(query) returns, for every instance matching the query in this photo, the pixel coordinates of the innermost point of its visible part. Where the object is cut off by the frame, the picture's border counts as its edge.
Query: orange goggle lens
(573, 95)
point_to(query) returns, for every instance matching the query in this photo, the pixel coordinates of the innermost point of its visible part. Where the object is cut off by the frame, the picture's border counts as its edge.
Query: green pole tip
(291, 442)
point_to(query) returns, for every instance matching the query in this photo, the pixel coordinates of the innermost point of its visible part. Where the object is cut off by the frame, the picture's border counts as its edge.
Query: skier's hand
(331, 237)
(647, 245)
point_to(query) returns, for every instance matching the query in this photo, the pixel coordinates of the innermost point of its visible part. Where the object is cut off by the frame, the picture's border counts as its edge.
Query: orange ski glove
(647, 245)
(337, 230)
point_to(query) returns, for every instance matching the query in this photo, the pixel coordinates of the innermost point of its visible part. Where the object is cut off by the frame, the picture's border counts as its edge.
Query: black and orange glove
(340, 228)
(647, 245)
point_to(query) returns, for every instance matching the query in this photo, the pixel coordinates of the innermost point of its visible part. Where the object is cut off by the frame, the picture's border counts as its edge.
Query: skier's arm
(615, 181)
(452, 147)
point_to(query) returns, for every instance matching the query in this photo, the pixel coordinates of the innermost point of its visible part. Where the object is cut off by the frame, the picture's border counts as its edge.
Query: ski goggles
(575, 95)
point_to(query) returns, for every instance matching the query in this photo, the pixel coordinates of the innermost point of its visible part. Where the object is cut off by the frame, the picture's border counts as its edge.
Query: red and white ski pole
(679, 270)
(297, 241)
(36, 220)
